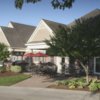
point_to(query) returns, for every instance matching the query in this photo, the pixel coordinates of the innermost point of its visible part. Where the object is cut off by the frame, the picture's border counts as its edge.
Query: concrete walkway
(22, 93)
(36, 81)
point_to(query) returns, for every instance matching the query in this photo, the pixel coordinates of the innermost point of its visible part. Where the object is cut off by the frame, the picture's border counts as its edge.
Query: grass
(10, 80)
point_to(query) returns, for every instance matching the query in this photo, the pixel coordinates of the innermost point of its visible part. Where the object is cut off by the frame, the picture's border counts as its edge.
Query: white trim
(95, 66)
(35, 43)
(49, 29)
(10, 25)
(37, 28)
(39, 45)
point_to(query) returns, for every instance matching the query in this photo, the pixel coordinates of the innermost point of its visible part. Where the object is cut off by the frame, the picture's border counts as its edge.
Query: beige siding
(41, 33)
(3, 38)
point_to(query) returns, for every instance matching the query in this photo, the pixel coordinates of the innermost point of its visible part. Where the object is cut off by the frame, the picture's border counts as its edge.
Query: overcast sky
(32, 14)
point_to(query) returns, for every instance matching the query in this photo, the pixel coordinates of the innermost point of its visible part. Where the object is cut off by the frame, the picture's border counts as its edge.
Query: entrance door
(97, 65)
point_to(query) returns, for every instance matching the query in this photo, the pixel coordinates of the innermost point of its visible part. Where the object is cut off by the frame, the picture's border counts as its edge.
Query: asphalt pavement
(29, 93)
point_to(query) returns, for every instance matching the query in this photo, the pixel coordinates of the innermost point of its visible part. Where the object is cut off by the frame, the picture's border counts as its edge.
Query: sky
(31, 14)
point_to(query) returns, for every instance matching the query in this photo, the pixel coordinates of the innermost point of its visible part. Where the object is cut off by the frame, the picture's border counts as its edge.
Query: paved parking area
(34, 88)
(26, 93)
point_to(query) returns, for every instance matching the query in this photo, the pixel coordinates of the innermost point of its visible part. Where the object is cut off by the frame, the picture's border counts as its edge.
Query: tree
(86, 37)
(59, 43)
(86, 41)
(81, 41)
(57, 4)
(4, 53)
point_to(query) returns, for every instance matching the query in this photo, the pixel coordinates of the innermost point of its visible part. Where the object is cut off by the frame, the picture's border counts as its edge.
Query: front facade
(45, 30)
(21, 38)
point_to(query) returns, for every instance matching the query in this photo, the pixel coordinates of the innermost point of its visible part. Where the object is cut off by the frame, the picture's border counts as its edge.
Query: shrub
(64, 82)
(93, 86)
(81, 85)
(99, 85)
(16, 69)
(7, 68)
(59, 83)
(81, 82)
(72, 84)
(2, 69)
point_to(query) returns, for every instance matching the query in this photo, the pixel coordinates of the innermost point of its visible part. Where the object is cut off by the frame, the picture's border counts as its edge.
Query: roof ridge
(91, 14)
(22, 24)
(95, 10)
(53, 21)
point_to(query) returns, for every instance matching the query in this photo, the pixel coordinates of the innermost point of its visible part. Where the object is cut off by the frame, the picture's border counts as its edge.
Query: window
(97, 65)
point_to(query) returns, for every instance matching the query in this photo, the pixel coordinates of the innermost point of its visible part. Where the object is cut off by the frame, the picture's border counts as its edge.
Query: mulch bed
(4, 74)
(66, 88)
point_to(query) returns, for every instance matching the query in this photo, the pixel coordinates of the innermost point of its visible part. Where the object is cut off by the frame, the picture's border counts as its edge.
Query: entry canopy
(40, 54)
(29, 54)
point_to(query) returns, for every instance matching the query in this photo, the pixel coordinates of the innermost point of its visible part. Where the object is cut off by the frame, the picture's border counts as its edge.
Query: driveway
(36, 81)
(22, 93)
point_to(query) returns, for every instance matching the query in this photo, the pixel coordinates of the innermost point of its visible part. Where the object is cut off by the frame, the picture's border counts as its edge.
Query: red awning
(29, 55)
(40, 54)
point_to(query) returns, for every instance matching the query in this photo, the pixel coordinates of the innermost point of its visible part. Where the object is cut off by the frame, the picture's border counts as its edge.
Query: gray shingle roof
(91, 14)
(19, 35)
(53, 25)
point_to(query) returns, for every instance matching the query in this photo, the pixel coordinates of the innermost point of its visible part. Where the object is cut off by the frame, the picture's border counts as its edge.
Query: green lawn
(10, 80)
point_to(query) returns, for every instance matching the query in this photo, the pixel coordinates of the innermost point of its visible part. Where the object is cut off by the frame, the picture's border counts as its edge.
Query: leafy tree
(81, 41)
(3, 51)
(59, 43)
(59, 4)
(85, 37)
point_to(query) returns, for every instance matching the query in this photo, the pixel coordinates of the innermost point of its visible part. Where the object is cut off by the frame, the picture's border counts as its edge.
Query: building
(15, 35)
(45, 30)
(21, 38)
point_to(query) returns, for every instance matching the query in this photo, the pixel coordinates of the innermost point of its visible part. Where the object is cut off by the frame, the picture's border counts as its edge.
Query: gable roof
(53, 25)
(19, 35)
(12, 36)
(91, 14)
(42, 35)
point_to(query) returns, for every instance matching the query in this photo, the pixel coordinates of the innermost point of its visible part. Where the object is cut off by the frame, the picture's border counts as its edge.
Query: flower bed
(78, 84)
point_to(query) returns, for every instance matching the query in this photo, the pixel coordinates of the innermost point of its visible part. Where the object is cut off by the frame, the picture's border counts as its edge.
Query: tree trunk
(86, 72)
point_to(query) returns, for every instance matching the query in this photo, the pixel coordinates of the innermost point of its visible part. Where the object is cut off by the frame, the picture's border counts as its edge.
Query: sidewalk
(36, 81)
